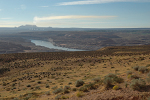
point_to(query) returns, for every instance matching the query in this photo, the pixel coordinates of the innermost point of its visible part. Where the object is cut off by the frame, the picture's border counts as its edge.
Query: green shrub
(137, 84)
(79, 83)
(143, 69)
(59, 90)
(136, 68)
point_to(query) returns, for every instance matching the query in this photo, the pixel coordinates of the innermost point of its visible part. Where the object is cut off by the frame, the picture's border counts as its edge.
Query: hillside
(110, 73)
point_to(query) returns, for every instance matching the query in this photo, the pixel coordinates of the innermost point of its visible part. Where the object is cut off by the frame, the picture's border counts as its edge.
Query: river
(51, 46)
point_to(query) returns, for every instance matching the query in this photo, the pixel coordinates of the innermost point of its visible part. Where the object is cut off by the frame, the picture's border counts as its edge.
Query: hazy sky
(76, 13)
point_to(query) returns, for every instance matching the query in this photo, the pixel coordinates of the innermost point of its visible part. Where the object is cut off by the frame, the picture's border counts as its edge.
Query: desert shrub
(147, 65)
(79, 94)
(148, 74)
(66, 89)
(133, 77)
(74, 89)
(55, 87)
(15, 99)
(4, 84)
(47, 93)
(59, 90)
(136, 68)
(37, 87)
(98, 79)
(64, 97)
(90, 86)
(118, 79)
(108, 81)
(110, 78)
(143, 69)
(110, 75)
(79, 83)
(47, 86)
(137, 84)
(129, 76)
(116, 87)
(69, 83)
(3, 70)
(148, 79)
(39, 82)
(129, 73)
(84, 89)
(58, 97)
(126, 84)
(29, 85)
(148, 98)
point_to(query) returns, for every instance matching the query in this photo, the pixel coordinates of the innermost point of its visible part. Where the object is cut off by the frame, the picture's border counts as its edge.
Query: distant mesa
(27, 26)
(32, 27)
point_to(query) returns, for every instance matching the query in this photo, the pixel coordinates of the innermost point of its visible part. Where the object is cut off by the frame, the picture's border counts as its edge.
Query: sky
(76, 13)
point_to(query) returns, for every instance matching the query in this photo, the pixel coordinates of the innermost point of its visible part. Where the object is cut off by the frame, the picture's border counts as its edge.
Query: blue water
(51, 46)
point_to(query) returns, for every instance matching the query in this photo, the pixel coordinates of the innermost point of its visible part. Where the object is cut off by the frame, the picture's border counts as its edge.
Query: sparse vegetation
(59, 79)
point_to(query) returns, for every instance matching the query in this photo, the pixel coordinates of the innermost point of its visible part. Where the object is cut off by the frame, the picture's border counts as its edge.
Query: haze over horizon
(76, 13)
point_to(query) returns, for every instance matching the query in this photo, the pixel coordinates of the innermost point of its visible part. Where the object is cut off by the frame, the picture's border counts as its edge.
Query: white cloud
(44, 6)
(69, 17)
(83, 2)
(0, 9)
